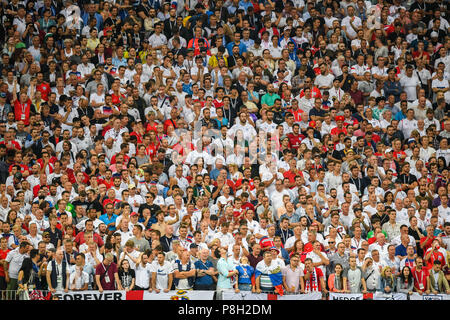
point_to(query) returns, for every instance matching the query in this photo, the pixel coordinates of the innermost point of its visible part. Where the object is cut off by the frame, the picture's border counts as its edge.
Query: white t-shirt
(143, 275)
(94, 97)
(162, 273)
(15, 259)
(356, 22)
(324, 81)
(80, 282)
(135, 254)
(409, 85)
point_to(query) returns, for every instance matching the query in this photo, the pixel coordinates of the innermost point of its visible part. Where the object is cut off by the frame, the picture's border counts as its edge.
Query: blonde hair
(383, 273)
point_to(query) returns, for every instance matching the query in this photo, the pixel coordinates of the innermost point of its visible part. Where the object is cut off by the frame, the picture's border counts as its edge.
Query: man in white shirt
(85, 68)
(410, 84)
(157, 39)
(324, 81)
(14, 261)
(408, 124)
(162, 274)
(351, 23)
(242, 124)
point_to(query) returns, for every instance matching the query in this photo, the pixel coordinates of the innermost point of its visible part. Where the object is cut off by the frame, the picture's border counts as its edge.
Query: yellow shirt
(214, 62)
(92, 43)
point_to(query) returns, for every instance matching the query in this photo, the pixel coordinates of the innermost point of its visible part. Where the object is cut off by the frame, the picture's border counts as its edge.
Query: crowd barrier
(117, 295)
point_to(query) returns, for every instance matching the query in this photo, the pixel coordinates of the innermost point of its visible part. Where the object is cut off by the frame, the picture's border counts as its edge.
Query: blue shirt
(245, 273)
(242, 48)
(187, 88)
(106, 220)
(206, 279)
(399, 116)
(245, 5)
(392, 87)
(400, 250)
(223, 266)
(214, 174)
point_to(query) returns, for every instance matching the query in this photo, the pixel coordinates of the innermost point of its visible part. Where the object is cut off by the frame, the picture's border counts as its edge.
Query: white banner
(306, 296)
(92, 295)
(345, 296)
(389, 296)
(231, 295)
(179, 295)
(248, 295)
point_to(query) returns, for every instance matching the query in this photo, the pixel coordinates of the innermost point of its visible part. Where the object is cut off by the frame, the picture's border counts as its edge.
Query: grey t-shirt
(354, 280)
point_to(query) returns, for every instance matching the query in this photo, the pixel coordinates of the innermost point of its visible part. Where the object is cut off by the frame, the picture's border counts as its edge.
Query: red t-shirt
(315, 93)
(420, 277)
(291, 175)
(3, 254)
(251, 184)
(297, 114)
(151, 127)
(79, 239)
(428, 242)
(434, 256)
(218, 104)
(44, 89)
(168, 123)
(336, 131)
(248, 206)
(295, 140)
(22, 111)
(12, 145)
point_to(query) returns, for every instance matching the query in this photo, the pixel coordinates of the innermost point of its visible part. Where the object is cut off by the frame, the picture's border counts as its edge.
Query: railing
(10, 295)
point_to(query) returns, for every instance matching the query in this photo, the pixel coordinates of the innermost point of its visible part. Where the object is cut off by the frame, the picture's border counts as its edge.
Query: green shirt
(370, 234)
(269, 99)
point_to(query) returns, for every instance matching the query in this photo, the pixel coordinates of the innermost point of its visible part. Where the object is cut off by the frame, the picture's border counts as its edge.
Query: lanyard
(23, 107)
(284, 235)
(356, 182)
(417, 277)
(233, 103)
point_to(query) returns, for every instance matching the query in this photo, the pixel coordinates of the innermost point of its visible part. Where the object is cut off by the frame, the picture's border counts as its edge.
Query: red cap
(312, 124)
(133, 214)
(339, 118)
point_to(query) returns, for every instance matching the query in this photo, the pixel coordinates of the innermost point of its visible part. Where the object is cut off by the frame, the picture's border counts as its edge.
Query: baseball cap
(388, 150)
(312, 124)
(275, 248)
(131, 186)
(45, 233)
(434, 34)
(193, 246)
(411, 140)
(339, 118)
(133, 214)
(2, 95)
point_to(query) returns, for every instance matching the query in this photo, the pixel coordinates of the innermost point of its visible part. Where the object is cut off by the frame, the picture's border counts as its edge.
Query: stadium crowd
(249, 145)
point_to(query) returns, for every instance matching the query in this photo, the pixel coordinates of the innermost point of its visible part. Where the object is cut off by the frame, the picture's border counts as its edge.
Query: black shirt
(54, 236)
(348, 81)
(126, 277)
